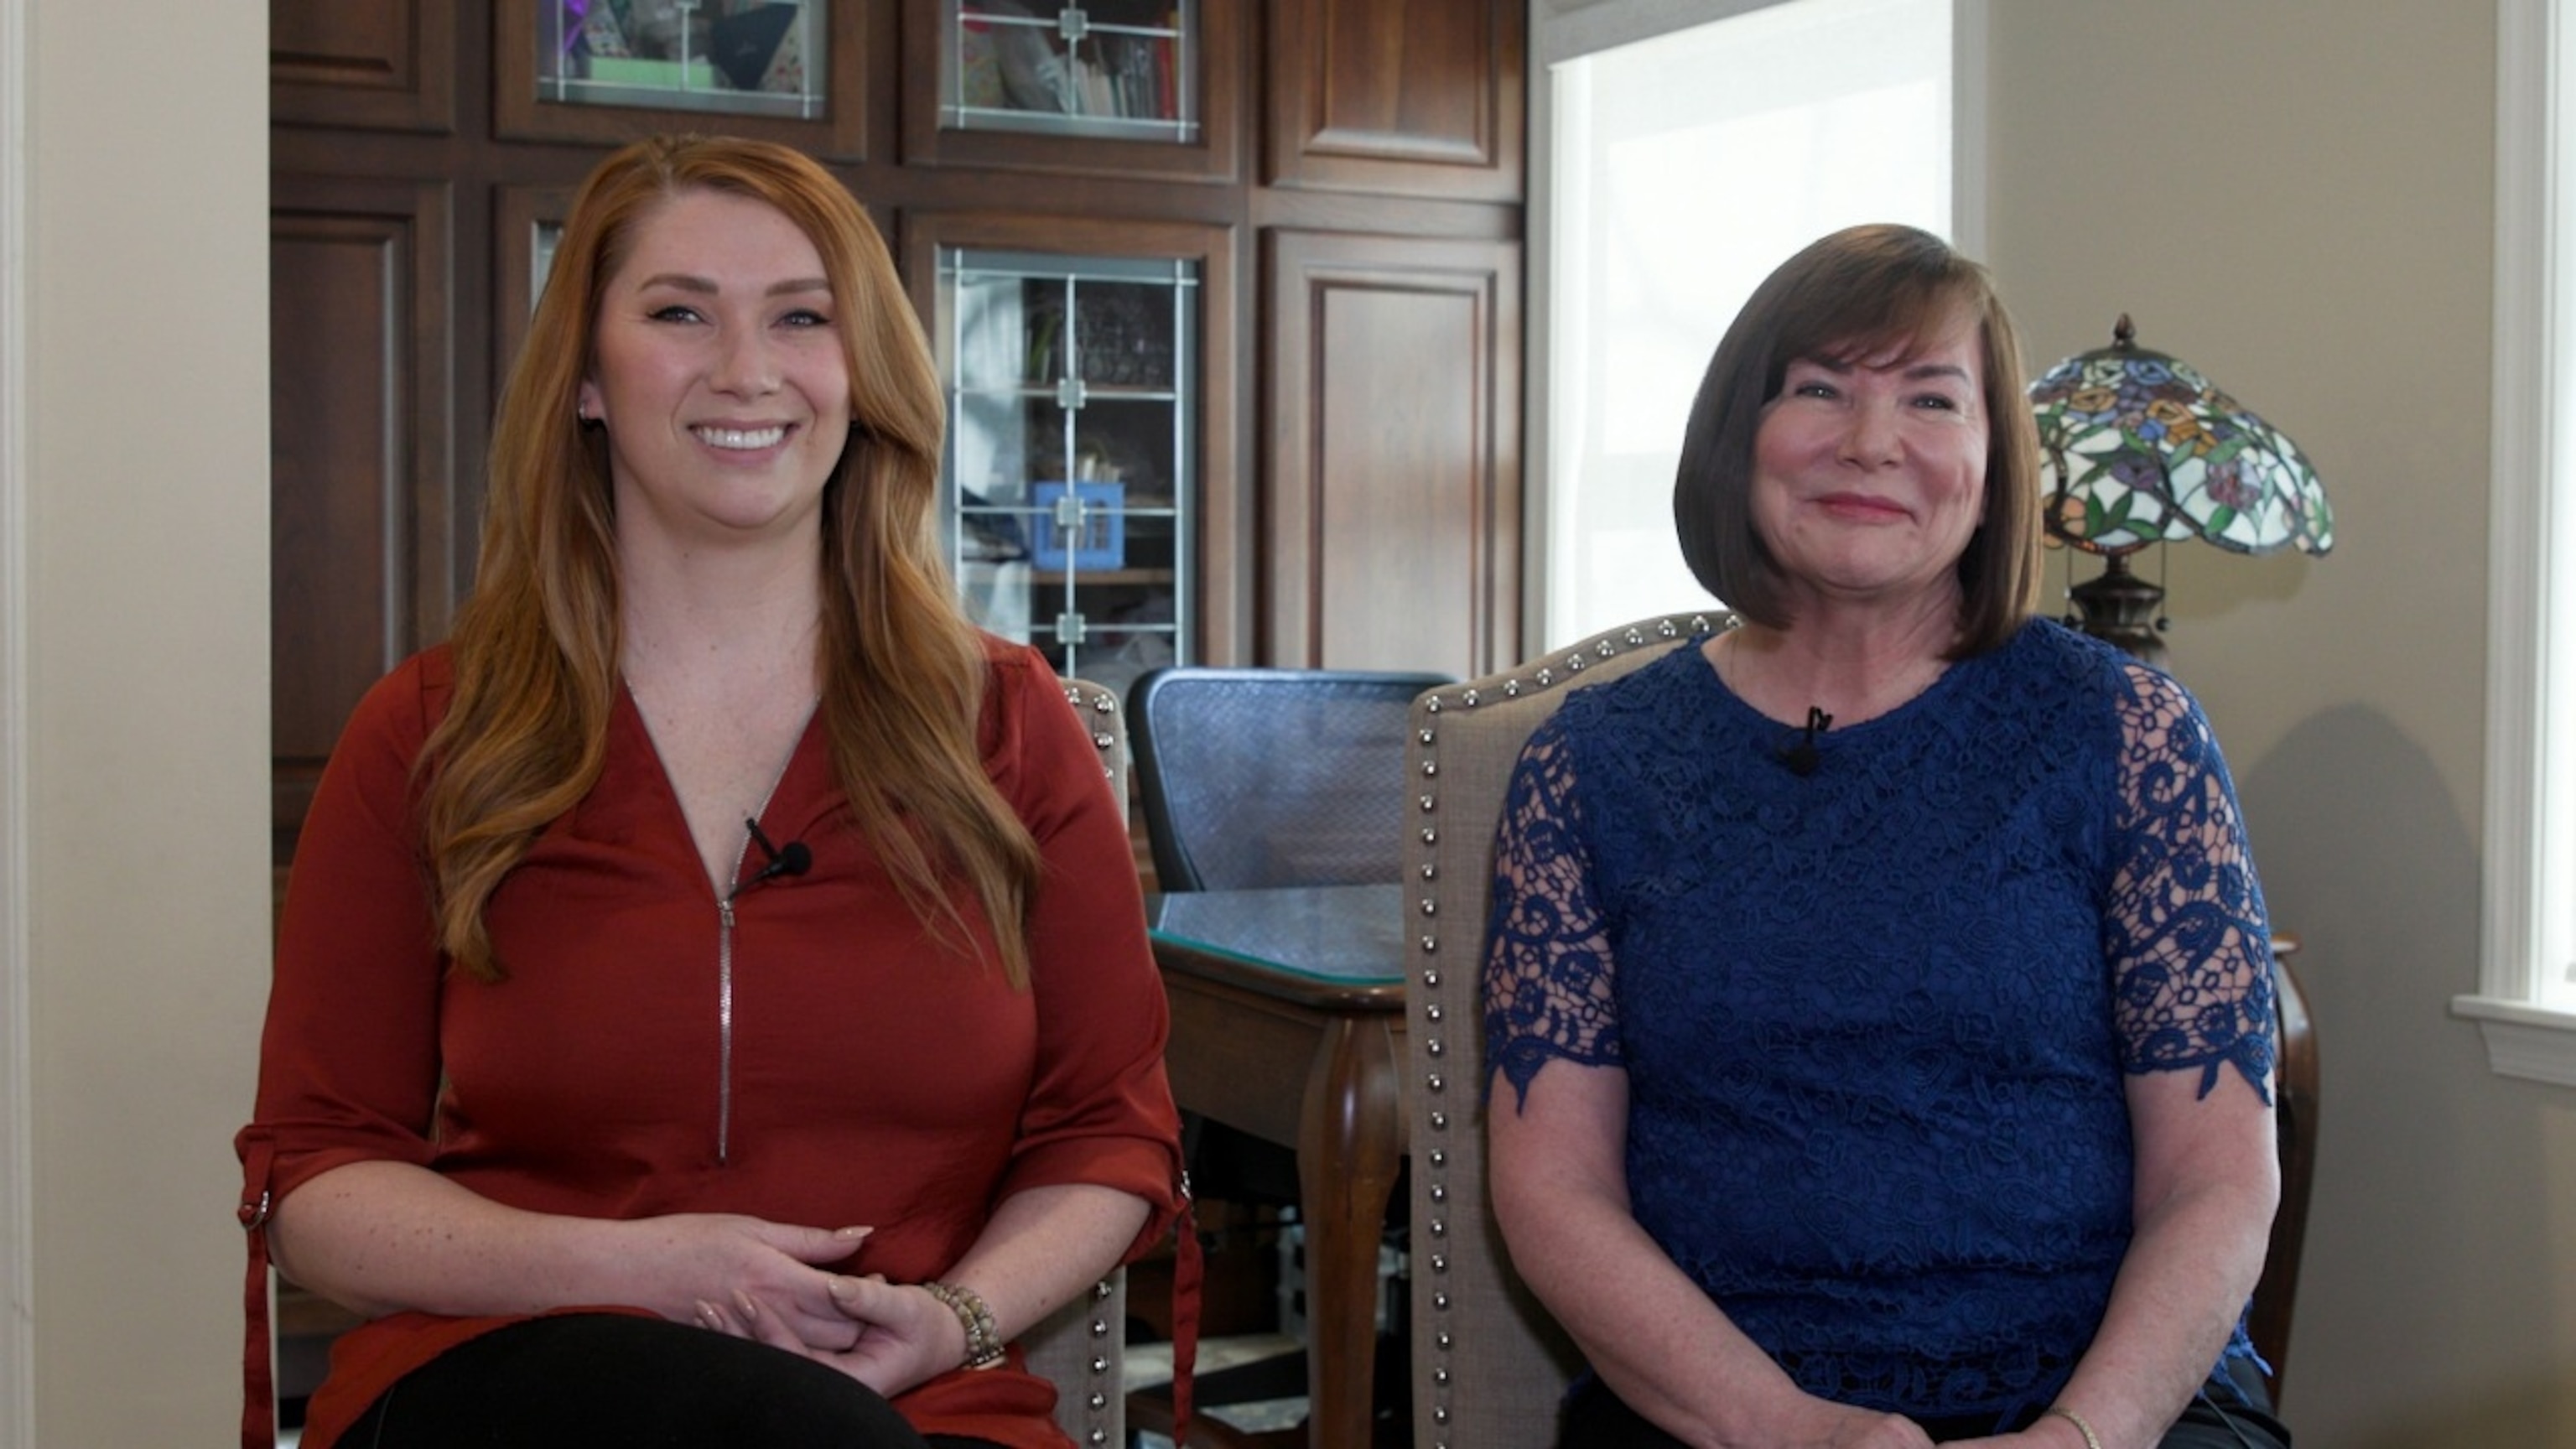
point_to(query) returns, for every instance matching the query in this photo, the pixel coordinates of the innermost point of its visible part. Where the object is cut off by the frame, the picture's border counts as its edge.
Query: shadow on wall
(2437, 1306)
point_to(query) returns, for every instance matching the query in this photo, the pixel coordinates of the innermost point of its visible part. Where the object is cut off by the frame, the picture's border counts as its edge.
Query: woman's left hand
(906, 1336)
(1043, 1246)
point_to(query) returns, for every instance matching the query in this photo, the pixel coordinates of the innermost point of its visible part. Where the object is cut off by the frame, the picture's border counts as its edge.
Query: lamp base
(2118, 606)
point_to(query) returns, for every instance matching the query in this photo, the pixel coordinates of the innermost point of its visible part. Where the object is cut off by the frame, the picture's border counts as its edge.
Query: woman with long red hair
(712, 1002)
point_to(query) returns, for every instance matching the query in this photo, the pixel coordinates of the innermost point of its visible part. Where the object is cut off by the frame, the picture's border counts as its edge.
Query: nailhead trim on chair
(1097, 1400)
(1436, 1157)
(1100, 703)
(1104, 1415)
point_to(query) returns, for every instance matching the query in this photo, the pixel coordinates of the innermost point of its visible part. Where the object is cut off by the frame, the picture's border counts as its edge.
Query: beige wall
(146, 497)
(2296, 196)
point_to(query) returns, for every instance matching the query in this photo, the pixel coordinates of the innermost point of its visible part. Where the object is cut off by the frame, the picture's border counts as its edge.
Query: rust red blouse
(818, 1059)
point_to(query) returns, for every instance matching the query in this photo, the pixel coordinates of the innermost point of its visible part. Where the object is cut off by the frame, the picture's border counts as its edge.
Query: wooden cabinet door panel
(362, 502)
(1393, 440)
(381, 64)
(1409, 97)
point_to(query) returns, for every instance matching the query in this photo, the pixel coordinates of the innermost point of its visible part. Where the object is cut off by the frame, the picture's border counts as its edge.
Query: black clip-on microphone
(1800, 754)
(791, 859)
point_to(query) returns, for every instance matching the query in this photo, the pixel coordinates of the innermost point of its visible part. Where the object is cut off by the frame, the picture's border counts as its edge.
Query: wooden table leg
(1349, 1146)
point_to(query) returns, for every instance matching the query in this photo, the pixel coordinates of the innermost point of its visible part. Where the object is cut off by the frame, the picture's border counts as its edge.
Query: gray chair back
(1270, 777)
(1489, 1364)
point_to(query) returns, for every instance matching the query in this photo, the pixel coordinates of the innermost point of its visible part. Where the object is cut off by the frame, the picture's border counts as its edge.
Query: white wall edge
(1538, 335)
(2518, 509)
(17, 1215)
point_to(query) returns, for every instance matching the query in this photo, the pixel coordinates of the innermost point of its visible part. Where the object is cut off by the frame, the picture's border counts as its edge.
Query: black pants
(1596, 1419)
(616, 1379)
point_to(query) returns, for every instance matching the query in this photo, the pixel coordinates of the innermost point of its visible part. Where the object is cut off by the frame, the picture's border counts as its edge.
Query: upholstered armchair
(1488, 1363)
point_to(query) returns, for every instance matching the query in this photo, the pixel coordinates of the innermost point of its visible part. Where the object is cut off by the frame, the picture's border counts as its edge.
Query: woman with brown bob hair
(1879, 991)
(712, 1004)
(1871, 286)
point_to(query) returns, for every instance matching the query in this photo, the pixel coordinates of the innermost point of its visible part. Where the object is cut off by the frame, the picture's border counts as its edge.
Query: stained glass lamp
(2139, 448)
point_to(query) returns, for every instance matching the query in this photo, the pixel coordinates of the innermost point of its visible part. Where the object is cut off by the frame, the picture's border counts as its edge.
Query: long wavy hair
(536, 645)
(1856, 293)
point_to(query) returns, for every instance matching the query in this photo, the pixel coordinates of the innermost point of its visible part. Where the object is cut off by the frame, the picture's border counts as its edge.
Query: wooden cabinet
(1340, 180)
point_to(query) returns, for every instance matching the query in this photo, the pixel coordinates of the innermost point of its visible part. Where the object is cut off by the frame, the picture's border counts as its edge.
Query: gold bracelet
(2091, 1440)
(983, 1340)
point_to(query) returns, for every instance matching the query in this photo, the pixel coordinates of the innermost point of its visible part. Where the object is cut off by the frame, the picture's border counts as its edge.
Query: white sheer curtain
(1681, 169)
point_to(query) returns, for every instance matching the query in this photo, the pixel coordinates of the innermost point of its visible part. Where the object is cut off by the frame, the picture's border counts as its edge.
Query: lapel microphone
(791, 859)
(1799, 754)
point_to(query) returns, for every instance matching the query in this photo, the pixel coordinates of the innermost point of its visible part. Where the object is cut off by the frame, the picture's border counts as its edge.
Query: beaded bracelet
(2091, 1441)
(983, 1341)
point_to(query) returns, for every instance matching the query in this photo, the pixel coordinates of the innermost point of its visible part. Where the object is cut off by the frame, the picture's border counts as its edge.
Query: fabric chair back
(1271, 777)
(1489, 1364)
(1079, 1349)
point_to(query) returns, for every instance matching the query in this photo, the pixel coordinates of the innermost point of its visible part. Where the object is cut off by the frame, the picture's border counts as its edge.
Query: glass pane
(1117, 68)
(1123, 335)
(1070, 446)
(741, 57)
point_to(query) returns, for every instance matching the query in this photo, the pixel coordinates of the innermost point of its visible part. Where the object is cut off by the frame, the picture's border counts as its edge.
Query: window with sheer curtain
(1681, 168)
(2526, 998)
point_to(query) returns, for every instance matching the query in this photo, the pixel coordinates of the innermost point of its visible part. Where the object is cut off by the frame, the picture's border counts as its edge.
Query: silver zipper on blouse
(724, 975)
(724, 1028)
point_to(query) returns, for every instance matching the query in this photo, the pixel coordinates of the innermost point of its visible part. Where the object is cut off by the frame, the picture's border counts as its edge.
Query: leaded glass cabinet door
(1070, 485)
(1120, 69)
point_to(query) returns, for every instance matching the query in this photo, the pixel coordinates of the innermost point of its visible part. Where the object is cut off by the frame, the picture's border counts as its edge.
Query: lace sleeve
(2190, 949)
(1547, 974)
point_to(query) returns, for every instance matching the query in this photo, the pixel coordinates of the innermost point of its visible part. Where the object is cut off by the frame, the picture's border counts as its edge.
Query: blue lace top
(1875, 1017)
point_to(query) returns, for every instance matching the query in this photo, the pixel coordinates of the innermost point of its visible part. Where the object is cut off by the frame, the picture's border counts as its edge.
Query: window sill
(2523, 1040)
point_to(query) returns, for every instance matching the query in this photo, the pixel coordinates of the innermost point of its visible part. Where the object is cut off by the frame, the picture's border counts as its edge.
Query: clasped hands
(750, 1278)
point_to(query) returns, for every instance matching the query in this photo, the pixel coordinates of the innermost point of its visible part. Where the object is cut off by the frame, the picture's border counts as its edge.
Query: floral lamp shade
(2140, 449)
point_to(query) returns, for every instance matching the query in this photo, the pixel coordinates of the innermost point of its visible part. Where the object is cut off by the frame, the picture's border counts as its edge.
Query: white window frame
(2528, 936)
